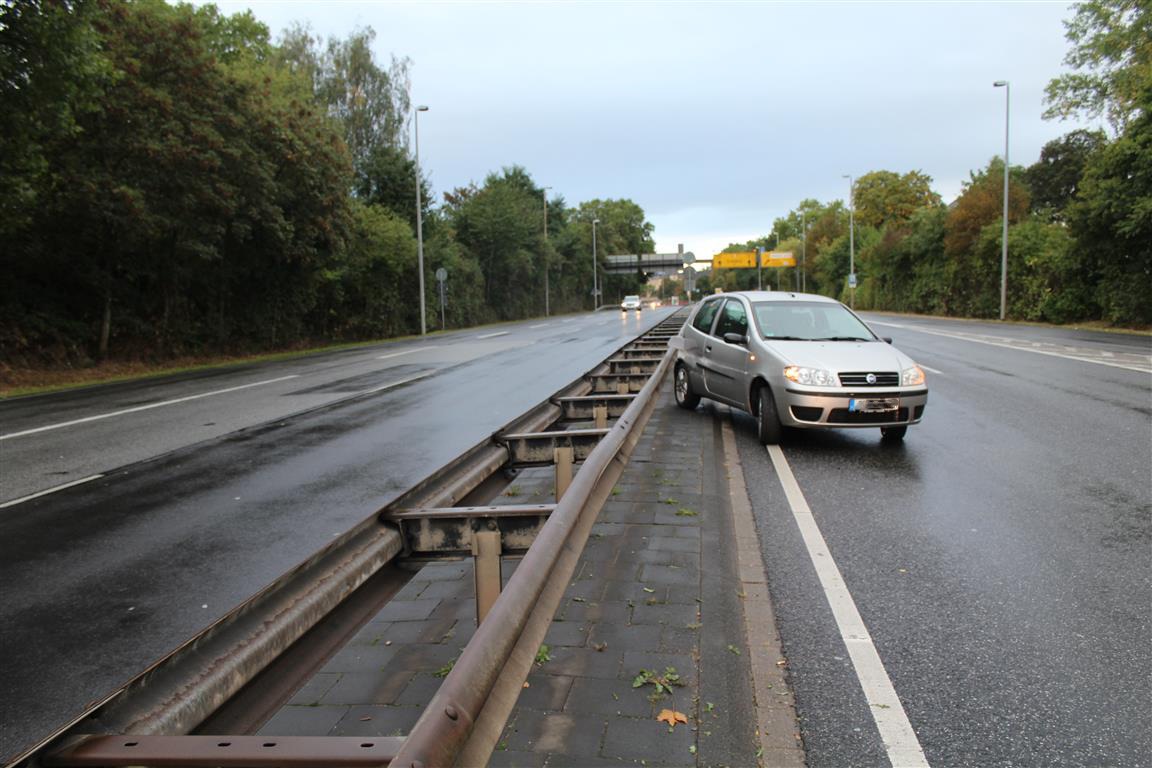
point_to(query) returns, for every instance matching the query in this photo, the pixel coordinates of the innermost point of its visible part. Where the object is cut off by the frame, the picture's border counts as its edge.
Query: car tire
(769, 430)
(682, 388)
(893, 434)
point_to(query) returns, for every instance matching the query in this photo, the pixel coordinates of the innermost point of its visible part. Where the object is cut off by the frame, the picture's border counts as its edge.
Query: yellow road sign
(747, 260)
(741, 260)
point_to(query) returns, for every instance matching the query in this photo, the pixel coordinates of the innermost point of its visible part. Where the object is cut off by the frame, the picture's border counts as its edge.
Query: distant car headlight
(911, 377)
(812, 377)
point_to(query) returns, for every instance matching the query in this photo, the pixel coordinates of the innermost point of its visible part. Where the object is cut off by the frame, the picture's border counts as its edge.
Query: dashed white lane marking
(899, 739)
(31, 496)
(931, 370)
(492, 335)
(404, 352)
(394, 384)
(538, 325)
(1031, 346)
(148, 407)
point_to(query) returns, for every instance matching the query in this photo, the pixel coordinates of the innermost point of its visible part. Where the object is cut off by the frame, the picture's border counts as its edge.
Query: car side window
(703, 320)
(734, 319)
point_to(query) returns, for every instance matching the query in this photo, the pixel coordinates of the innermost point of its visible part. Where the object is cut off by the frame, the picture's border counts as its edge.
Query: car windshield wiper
(842, 338)
(785, 338)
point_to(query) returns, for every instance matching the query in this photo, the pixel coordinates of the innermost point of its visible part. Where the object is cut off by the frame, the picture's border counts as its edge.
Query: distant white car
(630, 302)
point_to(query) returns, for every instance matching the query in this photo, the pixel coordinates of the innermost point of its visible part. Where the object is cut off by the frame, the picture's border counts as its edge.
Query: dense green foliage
(174, 182)
(1080, 218)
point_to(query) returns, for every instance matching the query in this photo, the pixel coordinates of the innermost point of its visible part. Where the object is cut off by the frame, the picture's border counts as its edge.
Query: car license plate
(873, 405)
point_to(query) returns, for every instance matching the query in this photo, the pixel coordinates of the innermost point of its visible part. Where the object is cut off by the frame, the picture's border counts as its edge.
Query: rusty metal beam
(608, 383)
(633, 365)
(582, 408)
(537, 449)
(452, 530)
(227, 751)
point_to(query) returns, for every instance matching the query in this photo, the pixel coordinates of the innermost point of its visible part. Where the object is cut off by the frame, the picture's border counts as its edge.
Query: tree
(1054, 179)
(1111, 220)
(1112, 53)
(882, 197)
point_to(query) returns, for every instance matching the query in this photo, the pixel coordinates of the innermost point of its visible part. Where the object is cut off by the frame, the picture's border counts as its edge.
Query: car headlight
(911, 377)
(812, 377)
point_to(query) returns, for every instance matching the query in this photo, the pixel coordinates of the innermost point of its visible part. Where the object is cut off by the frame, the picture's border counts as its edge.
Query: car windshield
(630, 298)
(809, 321)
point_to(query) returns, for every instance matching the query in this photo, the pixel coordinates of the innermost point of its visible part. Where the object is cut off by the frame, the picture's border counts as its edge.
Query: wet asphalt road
(1001, 558)
(235, 477)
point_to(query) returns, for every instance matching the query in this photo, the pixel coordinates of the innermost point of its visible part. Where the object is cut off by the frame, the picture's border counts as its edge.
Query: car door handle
(707, 348)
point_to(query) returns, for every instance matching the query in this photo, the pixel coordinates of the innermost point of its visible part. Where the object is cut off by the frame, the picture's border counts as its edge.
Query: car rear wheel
(893, 434)
(682, 386)
(769, 429)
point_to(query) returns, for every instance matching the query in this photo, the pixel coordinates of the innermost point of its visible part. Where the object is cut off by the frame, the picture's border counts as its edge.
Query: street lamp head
(999, 83)
(421, 108)
(595, 221)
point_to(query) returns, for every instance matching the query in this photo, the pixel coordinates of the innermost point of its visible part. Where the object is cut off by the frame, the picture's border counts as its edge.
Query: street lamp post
(803, 252)
(1004, 234)
(547, 311)
(420, 224)
(595, 290)
(851, 241)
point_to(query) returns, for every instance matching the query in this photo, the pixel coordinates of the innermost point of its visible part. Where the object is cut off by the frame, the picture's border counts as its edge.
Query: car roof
(781, 296)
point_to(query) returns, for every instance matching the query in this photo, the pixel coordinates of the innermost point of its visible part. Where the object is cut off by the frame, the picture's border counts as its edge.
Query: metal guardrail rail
(148, 721)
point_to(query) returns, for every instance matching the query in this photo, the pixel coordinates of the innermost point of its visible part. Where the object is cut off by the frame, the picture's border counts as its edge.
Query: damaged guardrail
(464, 720)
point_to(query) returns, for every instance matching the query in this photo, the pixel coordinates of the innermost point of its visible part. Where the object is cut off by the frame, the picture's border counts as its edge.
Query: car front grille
(885, 379)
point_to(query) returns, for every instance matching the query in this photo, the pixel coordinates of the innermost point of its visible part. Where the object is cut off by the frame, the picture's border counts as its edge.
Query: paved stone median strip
(656, 599)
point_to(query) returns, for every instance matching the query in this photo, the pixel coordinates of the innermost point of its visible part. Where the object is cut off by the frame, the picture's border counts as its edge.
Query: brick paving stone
(407, 610)
(362, 658)
(313, 691)
(577, 735)
(670, 614)
(583, 662)
(507, 758)
(674, 575)
(545, 692)
(608, 697)
(304, 721)
(567, 633)
(604, 610)
(377, 721)
(372, 687)
(420, 690)
(649, 741)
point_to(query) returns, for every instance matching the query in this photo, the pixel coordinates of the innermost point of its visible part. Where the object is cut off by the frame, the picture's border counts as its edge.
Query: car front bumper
(857, 408)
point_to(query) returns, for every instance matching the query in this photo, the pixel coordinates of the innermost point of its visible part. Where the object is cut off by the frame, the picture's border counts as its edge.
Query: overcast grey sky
(714, 117)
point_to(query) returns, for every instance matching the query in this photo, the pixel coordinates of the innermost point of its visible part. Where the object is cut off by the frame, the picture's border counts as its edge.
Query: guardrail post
(600, 414)
(563, 458)
(623, 387)
(486, 559)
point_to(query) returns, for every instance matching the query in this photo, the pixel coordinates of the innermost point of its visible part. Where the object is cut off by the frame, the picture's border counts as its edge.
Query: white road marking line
(493, 335)
(145, 407)
(931, 370)
(405, 352)
(395, 384)
(29, 497)
(892, 722)
(1079, 358)
(541, 325)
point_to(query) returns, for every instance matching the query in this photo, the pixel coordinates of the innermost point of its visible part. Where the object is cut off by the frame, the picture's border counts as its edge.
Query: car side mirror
(735, 338)
(886, 338)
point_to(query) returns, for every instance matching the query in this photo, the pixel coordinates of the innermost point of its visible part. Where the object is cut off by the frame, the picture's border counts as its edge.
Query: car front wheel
(769, 429)
(893, 434)
(682, 386)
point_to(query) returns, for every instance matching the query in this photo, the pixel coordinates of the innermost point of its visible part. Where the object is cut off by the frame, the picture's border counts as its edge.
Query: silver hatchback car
(796, 360)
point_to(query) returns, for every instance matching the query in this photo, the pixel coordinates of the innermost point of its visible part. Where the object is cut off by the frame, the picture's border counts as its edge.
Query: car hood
(841, 356)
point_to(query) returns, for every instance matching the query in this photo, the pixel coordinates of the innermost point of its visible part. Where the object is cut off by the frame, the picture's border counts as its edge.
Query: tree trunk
(105, 327)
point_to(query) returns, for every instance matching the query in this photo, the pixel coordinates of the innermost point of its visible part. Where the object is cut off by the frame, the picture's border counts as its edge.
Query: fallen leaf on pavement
(671, 717)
